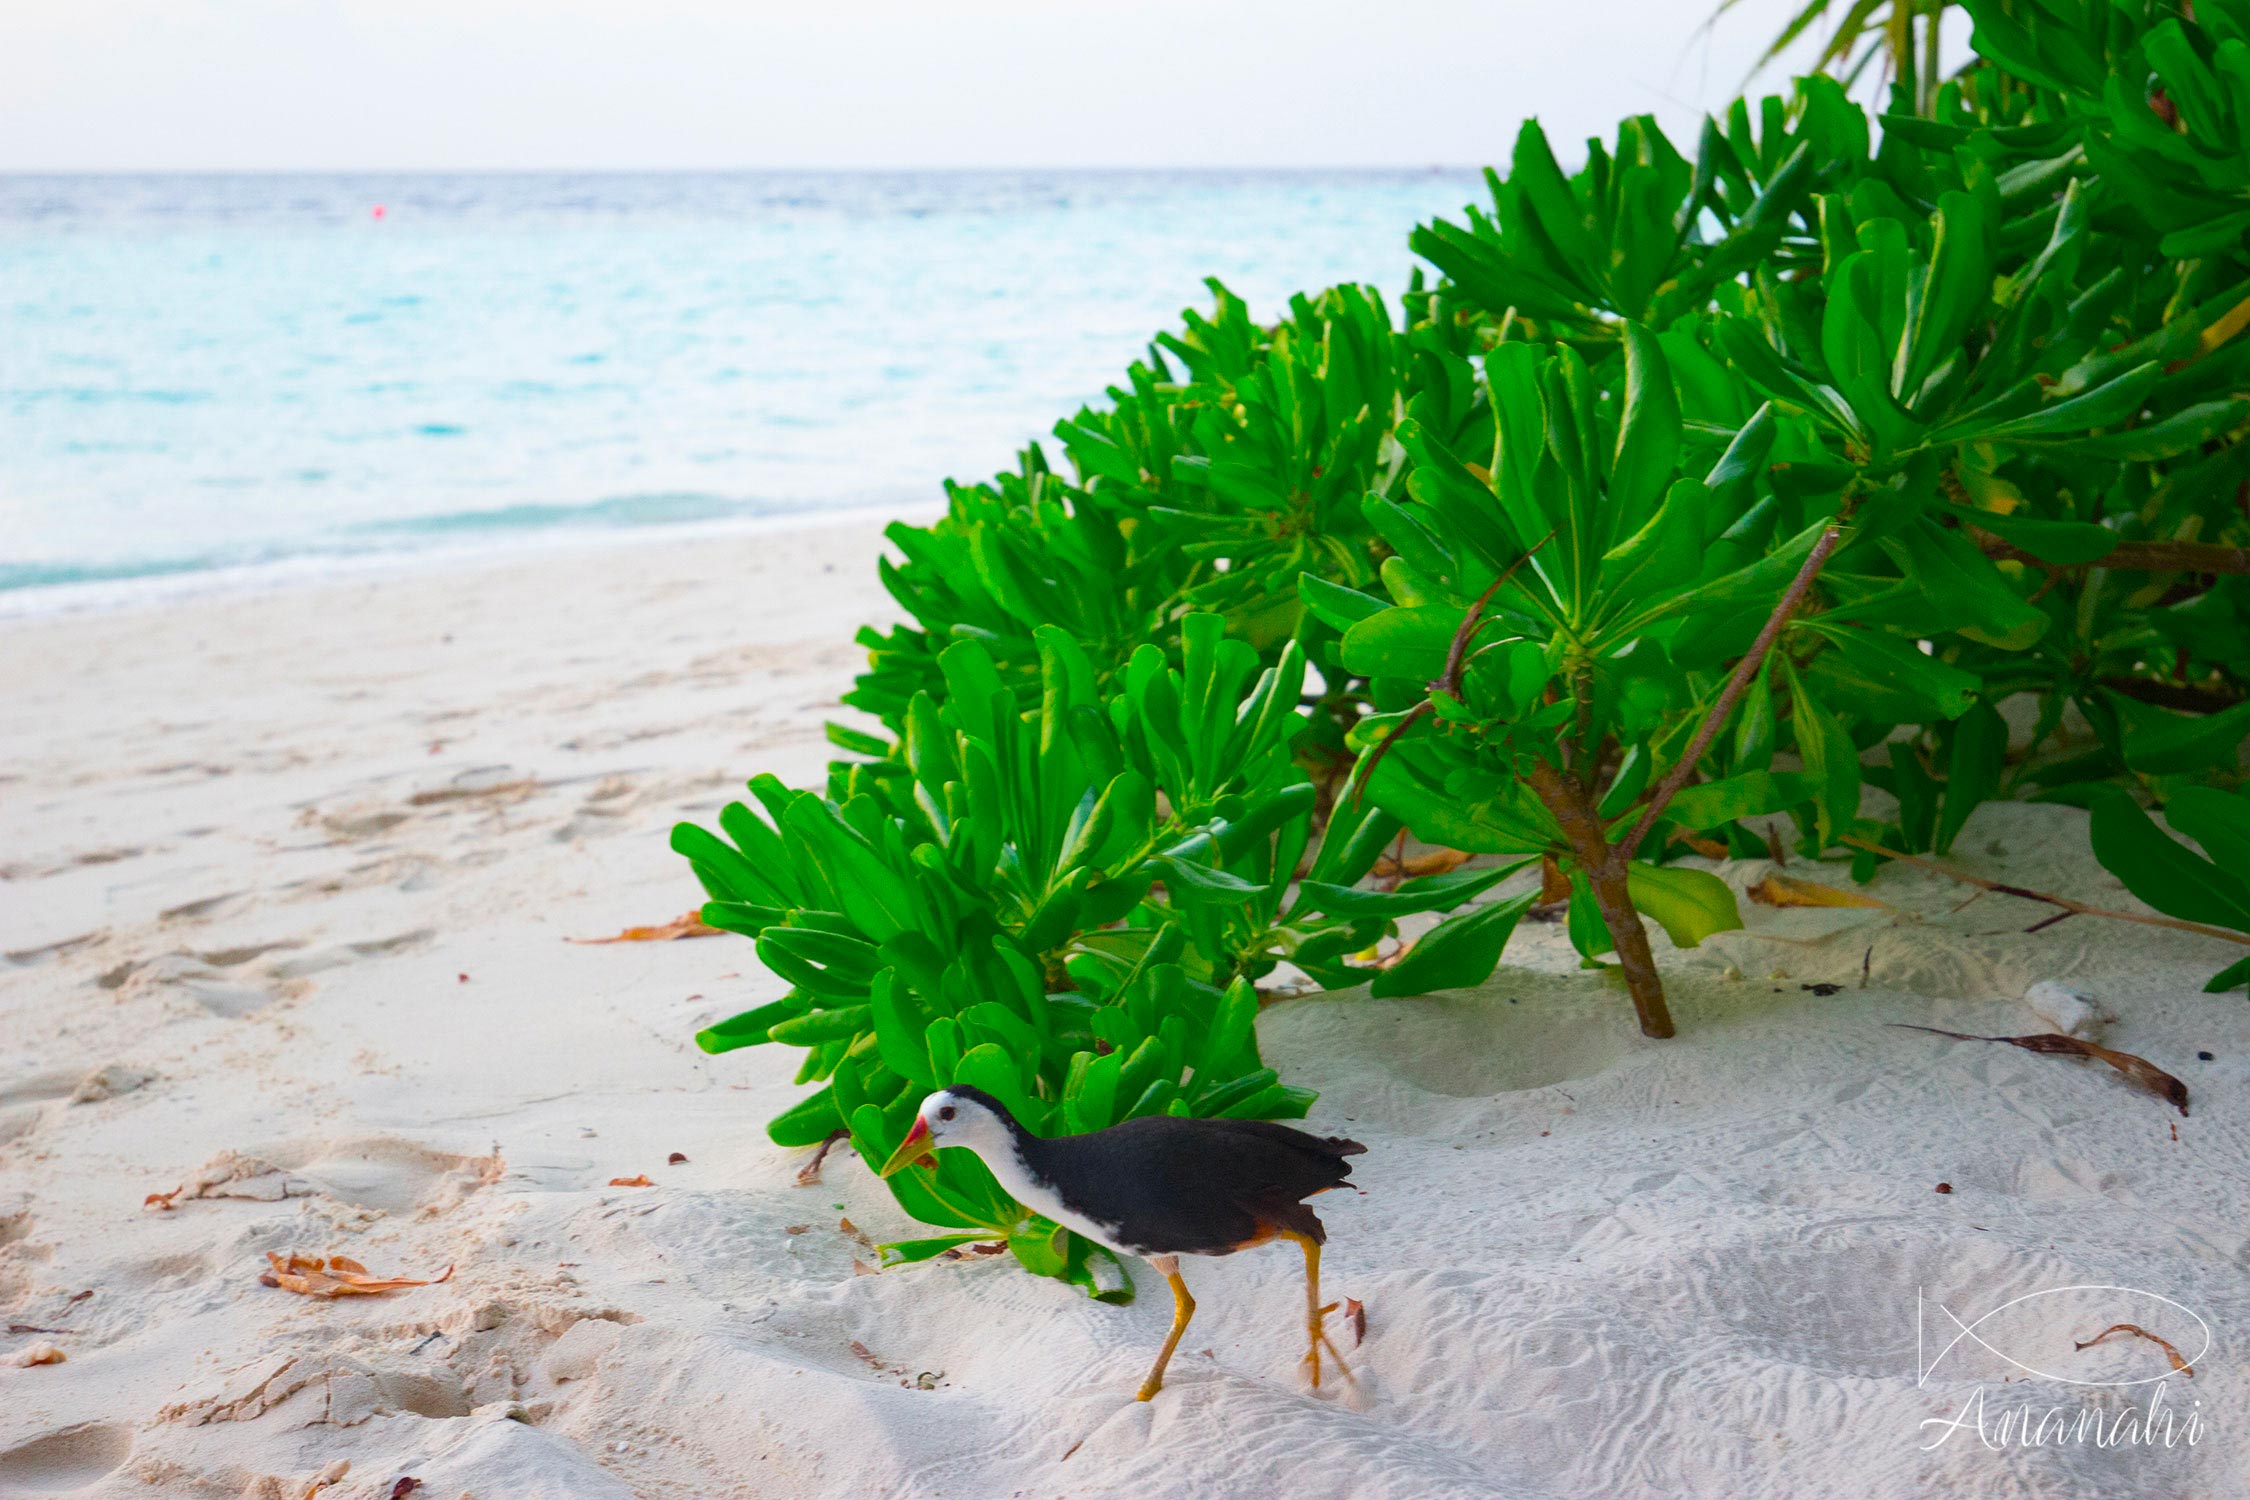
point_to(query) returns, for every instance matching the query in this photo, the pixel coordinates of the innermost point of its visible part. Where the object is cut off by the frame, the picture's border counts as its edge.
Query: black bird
(1159, 1187)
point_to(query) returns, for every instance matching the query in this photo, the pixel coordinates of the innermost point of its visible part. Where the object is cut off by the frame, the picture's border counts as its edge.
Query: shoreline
(165, 589)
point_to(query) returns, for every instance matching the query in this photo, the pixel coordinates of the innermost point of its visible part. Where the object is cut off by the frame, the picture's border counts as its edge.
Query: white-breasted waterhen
(1159, 1187)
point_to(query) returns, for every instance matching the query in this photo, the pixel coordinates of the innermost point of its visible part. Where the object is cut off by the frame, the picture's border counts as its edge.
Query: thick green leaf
(1459, 952)
(1688, 904)
(2162, 871)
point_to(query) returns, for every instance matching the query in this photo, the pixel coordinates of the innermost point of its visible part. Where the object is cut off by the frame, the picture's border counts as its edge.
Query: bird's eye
(945, 1113)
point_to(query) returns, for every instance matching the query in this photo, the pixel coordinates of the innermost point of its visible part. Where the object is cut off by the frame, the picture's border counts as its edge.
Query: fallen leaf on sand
(37, 1354)
(162, 1201)
(1355, 1313)
(33, 1328)
(677, 1158)
(2165, 1344)
(689, 925)
(407, 1485)
(338, 1276)
(862, 1268)
(854, 1232)
(640, 1181)
(2137, 1070)
(1788, 890)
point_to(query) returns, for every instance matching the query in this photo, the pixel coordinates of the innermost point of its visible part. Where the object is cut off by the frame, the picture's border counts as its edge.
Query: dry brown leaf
(1788, 890)
(640, 1181)
(862, 1268)
(33, 1328)
(1355, 1313)
(676, 1159)
(333, 1474)
(854, 1232)
(688, 925)
(406, 1485)
(2171, 1352)
(1554, 885)
(2137, 1070)
(338, 1276)
(1429, 862)
(37, 1354)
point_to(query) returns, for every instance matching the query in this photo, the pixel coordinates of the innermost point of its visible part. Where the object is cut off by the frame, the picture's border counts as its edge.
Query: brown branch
(1605, 864)
(2069, 906)
(2138, 557)
(1744, 671)
(2185, 697)
(1456, 654)
(1359, 787)
(1450, 683)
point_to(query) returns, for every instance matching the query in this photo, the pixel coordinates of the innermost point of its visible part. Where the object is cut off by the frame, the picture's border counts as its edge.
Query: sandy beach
(285, 883)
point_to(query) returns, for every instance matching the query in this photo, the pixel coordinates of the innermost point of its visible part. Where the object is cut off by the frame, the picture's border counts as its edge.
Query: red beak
(915, 1150)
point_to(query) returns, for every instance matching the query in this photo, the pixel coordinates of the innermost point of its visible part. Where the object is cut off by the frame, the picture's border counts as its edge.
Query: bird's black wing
(1184, 1186)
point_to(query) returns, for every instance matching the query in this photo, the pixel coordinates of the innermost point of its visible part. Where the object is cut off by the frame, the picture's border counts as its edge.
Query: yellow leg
(1183, 1308)
(1315, 1311)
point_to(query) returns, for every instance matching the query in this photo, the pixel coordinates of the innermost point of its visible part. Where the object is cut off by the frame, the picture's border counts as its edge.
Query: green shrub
(1069, 908)
(1697, 493)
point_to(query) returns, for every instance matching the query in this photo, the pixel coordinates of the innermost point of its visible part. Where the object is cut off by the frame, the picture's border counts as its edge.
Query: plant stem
(2137, 557)
(1605, 865)
(2069, 906)
(1744, 671)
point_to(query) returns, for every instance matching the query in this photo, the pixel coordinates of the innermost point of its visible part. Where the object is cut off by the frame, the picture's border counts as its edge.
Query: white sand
(283, 883)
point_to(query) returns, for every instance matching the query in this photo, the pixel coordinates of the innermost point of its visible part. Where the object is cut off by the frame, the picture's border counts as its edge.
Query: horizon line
(1423, 168)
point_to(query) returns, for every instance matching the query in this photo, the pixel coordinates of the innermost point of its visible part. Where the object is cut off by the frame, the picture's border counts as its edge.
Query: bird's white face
(950, 1119)
(955, 1120)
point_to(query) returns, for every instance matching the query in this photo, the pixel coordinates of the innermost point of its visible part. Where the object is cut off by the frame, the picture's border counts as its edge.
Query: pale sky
(481, 84)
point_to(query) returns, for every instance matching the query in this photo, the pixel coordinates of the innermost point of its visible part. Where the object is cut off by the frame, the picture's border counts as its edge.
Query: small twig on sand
(2069, 906)
(808, 1175)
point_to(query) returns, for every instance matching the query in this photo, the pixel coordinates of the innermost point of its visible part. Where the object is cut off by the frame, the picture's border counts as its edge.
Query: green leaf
(1710, 803)
(2219, 821)
(1829, 755)
(2068, 543)
(748, 1029)
(1335, 606)
(2104, 406)
(808, 1122)
(2162, 871)
(908, 1252)
(2158, 742)
(1688, 904)
(1422, 893)
(1459, 952)
(1972, 770)
(1648, 436)
(1399, 642)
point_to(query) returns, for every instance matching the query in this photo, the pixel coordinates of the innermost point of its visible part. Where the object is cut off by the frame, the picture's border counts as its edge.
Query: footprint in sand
(375, 1174)
(67, 1459)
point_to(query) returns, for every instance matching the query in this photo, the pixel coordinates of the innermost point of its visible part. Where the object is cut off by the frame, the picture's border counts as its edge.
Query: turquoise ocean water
(263, 376)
